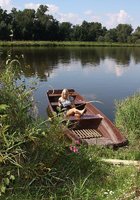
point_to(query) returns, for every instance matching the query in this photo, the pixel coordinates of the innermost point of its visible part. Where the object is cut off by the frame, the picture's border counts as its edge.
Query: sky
(109, 13)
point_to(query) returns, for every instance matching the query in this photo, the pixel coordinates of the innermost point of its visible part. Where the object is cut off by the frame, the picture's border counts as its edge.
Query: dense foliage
(24, 140)
(29, 24)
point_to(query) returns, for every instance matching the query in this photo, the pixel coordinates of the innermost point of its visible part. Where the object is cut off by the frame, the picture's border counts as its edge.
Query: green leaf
(1, 159)
(43, 133)
(3, 107)
(8, 61)
(7, 181)
(12, 177)
(8, 173)
(3, 188)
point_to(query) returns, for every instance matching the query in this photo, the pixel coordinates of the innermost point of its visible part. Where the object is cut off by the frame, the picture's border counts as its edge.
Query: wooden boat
(93, 128)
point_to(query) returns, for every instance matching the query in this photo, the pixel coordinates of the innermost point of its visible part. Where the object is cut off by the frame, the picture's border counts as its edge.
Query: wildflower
(74, 149)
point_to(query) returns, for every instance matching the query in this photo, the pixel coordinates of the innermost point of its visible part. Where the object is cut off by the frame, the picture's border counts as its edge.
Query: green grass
(128, 111)
(127, 119)
(35, 160)
(65, 43)
(80, 178)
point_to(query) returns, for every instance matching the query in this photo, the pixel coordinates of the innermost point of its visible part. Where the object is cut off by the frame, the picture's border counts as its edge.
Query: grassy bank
(65, 43)
(127, 120)
(35, 159)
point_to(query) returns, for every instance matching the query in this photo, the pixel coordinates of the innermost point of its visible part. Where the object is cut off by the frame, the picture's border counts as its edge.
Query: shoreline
(63, 44)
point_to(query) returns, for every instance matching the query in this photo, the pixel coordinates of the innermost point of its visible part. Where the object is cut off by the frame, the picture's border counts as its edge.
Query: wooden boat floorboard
(87, 133)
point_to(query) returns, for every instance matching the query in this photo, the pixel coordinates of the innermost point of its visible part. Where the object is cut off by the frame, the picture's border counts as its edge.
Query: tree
(76, 33)
(111, 35)
(45, 25)
(65, 30)
(84, 31)
(136, 36)
(40, 22)
(89, 31)
(29, 24)
(23, 24)
(5, 21)
(123, 32)
(95, 31)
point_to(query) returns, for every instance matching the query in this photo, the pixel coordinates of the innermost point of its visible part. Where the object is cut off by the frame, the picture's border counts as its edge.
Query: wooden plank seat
(85, 121)
(85, 117)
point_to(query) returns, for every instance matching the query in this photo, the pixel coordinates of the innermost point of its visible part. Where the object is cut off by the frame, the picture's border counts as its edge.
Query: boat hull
(93, 128)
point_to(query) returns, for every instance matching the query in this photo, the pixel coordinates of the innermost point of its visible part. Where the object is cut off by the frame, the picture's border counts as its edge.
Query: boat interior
(87, 125)
(93, 127)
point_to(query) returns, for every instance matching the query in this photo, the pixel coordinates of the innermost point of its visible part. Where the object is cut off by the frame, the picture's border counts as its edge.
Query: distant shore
(64, 44)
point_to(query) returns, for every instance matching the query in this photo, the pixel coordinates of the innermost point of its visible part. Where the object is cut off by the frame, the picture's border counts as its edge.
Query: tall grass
(127, 119)
(128, 115)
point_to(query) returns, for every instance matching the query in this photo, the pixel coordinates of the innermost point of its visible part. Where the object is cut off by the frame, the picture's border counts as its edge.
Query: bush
(26, 143)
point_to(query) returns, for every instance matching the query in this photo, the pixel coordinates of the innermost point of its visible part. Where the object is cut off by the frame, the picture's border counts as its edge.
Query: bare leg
(73, 111)
(77, 116)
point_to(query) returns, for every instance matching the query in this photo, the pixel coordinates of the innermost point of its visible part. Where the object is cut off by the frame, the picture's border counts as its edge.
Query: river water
(101, 74)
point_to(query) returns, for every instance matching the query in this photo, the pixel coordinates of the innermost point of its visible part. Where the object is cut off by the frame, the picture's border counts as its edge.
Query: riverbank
(36, 161)
(64, 44)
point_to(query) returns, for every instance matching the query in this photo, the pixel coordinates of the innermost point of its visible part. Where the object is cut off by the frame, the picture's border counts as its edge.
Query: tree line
(29, 24)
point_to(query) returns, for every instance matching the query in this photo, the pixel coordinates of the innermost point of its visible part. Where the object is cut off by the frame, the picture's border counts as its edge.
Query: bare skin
(76, 112)
(73, 110)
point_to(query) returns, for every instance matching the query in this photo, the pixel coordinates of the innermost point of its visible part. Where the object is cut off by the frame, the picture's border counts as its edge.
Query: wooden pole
(122, 162)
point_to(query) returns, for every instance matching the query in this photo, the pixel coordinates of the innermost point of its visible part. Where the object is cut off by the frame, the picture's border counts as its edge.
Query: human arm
(60, 102)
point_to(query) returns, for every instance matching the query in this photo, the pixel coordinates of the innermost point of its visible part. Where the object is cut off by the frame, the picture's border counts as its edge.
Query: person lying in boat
(66, 103)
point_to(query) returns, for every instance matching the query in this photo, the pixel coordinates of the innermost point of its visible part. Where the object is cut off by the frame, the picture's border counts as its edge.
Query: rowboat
(93, 128)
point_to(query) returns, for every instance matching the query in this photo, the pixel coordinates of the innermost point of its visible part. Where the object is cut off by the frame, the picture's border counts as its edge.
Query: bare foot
(77, 116)
(98, 115)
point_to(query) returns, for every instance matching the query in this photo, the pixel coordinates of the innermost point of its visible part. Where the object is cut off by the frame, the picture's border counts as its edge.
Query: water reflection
(38, 60)
(97, 73)
(121, 55)
(87, 56)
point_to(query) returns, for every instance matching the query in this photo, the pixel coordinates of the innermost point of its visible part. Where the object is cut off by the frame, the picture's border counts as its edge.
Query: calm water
(100, 73)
